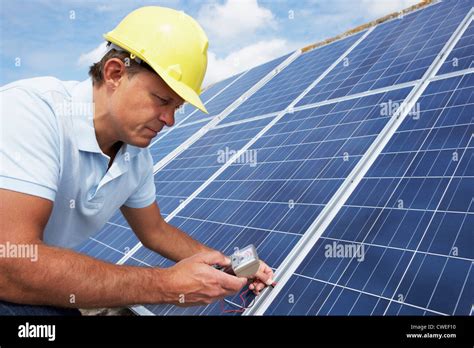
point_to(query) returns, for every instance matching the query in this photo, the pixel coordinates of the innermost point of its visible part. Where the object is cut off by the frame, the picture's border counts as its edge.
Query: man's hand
(263, 278)
(193, 281)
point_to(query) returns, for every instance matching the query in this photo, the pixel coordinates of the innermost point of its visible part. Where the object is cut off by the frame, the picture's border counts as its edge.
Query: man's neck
(113, 152)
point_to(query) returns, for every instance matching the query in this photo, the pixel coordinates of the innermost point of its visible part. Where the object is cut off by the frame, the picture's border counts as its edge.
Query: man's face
(141, 106)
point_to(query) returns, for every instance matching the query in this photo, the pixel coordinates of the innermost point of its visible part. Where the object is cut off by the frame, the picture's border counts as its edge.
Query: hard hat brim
(181, 89)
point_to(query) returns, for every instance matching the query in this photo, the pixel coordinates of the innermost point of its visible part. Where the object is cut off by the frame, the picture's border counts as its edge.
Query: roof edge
(362, 27)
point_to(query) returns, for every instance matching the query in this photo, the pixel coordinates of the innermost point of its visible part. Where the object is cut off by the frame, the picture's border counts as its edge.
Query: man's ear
(114, 70)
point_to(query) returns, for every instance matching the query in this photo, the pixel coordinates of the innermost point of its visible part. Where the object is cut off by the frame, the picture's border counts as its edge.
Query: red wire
(240, 310)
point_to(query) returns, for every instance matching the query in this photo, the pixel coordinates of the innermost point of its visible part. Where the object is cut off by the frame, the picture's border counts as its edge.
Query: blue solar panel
(172, 139)
(277, 94)
(301, 163)
(395, 52)
(112, 242)
(462, 55)
(412, 213)
(195, 165)
(249, 79)
(101, 250)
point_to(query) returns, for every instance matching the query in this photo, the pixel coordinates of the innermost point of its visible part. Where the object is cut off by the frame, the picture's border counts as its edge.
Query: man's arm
(60, 276)
(156, 234)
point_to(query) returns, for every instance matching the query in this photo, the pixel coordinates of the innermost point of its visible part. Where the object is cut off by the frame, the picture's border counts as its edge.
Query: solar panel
(124, 240)
(412, 214)
(395, 52)
(195, 165)
(286, 86)
(301, 163)
(112, 242)
(171, 140)
(462, 55)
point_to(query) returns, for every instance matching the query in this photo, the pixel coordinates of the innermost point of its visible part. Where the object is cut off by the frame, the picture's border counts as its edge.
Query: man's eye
(162, 100)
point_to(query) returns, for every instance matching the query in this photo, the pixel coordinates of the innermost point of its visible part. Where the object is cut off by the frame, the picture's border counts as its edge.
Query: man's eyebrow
(163, 96)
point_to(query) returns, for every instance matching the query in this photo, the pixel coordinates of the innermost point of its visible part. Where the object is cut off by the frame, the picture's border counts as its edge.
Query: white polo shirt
(48, 148)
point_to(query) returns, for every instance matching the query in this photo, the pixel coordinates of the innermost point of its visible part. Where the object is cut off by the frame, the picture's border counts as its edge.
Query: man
(72, 153)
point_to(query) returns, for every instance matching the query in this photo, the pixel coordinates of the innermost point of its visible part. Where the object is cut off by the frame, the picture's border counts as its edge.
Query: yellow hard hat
(172, 43)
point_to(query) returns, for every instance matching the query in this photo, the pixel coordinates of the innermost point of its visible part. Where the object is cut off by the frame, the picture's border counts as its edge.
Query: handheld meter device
(245, 262)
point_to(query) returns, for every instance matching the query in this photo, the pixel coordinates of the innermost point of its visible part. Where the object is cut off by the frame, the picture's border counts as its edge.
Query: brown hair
(96, 70)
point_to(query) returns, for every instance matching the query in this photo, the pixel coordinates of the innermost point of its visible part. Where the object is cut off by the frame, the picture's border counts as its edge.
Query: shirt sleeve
(29, 144)
(145, 194)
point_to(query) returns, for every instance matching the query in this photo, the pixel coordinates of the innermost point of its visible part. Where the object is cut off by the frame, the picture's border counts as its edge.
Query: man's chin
(140, 142)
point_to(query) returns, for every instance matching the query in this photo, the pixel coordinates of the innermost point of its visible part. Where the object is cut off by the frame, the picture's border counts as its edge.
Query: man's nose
(167, 117)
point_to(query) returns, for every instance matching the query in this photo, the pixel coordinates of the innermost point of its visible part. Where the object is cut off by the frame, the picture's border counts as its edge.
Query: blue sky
(63, 37)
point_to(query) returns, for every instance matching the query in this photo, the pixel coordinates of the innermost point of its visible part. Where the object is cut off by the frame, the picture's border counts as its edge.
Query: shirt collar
(82, 112)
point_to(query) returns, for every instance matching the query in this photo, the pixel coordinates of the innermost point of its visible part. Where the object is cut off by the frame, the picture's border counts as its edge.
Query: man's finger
(230, 282)
(268, 271)
(256, 282)
(265, 274)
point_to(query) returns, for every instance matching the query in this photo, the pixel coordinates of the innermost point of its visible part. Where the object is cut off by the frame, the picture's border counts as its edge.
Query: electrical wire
(244, 302)
(243, 307)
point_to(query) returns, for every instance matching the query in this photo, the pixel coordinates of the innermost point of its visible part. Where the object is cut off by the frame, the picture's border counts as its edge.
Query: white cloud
(234, 18)
(104, 8)
(377, 8)
(245, 58)
(91, 57)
